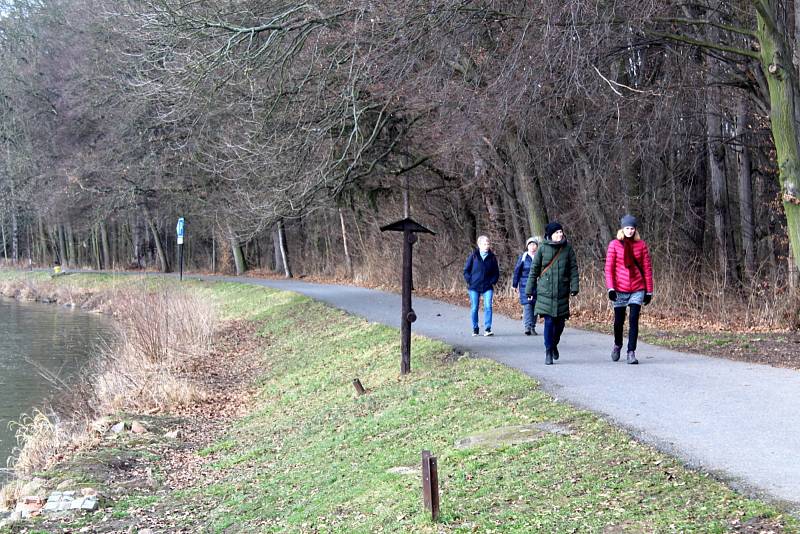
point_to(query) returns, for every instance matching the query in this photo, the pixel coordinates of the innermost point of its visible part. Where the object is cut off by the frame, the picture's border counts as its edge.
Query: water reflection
(36, 337)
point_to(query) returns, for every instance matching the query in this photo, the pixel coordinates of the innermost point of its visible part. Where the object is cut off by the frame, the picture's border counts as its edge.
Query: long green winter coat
(561, 279)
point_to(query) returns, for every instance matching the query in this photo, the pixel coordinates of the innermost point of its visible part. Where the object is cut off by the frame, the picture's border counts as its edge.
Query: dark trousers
(553, 328)
(633, 331)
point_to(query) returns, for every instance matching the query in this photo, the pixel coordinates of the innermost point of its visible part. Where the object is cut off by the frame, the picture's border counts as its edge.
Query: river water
(37, 336)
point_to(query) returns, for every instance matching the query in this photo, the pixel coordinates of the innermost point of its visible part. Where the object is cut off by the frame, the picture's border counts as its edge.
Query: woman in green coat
(554, 274)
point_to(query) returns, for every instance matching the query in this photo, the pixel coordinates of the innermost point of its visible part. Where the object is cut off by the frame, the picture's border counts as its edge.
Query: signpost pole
(179, 230)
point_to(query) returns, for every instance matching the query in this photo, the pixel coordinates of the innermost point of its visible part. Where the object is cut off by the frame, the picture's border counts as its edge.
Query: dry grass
(39, 440)
(159, 336)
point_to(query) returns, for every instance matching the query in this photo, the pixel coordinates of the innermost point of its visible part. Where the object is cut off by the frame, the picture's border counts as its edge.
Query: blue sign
(179, 230)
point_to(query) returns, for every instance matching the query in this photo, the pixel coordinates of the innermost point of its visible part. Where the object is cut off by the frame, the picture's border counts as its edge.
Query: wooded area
(287, 132)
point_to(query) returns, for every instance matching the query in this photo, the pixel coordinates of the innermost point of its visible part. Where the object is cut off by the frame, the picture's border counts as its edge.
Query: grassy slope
(314, 457)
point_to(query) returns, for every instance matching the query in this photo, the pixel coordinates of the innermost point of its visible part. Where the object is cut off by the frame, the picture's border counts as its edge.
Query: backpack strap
(552, 261)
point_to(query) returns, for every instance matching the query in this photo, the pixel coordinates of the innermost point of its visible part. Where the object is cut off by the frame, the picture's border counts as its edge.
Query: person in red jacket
(629, 279)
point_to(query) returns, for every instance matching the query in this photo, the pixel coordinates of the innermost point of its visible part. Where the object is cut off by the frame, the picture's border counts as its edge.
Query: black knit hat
(628, 220)
(552, 228)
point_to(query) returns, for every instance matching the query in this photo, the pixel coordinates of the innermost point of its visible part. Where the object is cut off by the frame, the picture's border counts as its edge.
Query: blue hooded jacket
(481, 274)
(521, 271)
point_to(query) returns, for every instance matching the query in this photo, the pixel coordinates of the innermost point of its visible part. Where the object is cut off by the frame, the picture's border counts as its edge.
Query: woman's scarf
(628, 257)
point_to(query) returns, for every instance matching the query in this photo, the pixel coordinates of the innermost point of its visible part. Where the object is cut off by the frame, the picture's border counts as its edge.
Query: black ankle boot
(548, 357)
(555, 352)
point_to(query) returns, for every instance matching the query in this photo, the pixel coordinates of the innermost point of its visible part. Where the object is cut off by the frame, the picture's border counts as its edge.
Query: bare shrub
(160, 335)
(39, 439)
(9, 495)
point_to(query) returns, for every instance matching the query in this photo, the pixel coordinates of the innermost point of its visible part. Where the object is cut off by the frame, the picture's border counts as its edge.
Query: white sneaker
(488, 332)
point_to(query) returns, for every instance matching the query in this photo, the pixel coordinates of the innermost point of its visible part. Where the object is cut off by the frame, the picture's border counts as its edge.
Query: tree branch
(763, 9)
(705, 44)
(727, 27)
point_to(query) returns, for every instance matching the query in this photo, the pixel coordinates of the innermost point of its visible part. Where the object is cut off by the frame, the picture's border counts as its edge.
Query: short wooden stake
(430, 484)
(359, 388)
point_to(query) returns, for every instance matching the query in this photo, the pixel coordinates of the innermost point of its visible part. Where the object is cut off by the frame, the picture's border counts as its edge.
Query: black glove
(648, 298)
(612, 295)
(573, 293)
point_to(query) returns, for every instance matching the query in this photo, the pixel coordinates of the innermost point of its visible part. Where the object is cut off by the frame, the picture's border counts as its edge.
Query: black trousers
(633, 331)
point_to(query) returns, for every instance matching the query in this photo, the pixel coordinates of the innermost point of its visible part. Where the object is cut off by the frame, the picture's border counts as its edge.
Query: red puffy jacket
(619, 277)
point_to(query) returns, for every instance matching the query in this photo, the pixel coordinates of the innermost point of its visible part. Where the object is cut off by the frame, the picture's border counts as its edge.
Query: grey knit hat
(628, 220)
(533, 239)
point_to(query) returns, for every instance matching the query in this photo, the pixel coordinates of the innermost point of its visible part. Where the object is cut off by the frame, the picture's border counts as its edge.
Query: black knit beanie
(551, 228)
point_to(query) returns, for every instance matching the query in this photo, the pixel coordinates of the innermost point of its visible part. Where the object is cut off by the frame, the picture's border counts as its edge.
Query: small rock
(138, 428)
(404, 470)
(33, 487)
(174, 434)
(118, 428)
(146, 531)
(102, 425)
(29, 506)
(88, 492)
(68, 483)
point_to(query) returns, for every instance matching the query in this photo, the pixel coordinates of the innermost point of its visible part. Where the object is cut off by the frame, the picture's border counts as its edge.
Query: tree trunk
(745, 187)
(529, 185)
(14, 235)
(406, 198)
(588, 184)
(5, 245)
(136, 243)
(348, 260)
(104, 247)
(98, 261)
(162, 256)
(283, 249)
(62, 245)
(783, 93)
(238, 253)
(43, 249)
(276, 247)
(74, 261)
(716, 168)
(633, 184)
(213, 253)
(497, 231)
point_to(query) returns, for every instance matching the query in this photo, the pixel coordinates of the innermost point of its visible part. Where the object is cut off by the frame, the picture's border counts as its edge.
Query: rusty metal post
(430, 484)
(359, 388)
(407, 315)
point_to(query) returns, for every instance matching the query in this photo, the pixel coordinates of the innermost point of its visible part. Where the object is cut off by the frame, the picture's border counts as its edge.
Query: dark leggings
(619, 322)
